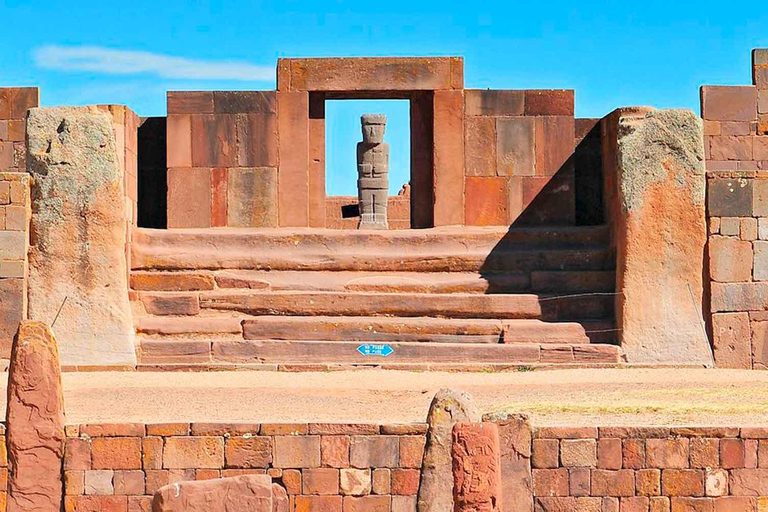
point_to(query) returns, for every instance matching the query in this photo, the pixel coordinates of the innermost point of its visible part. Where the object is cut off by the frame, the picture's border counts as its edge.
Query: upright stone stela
(373, 173)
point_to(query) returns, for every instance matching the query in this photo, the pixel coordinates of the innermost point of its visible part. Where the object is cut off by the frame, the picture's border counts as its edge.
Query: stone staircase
(443, 296)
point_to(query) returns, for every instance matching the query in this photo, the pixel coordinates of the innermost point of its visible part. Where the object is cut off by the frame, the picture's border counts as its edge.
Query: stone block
(374, 452)
(403, 503)
(190, 102)
(152, 453)
(480, 146)
(762, 101)
(320, 481)
(578, 452)
(555, 140)
(179, 141)
(760, 148)
(13, 245)
(732, 454)
(355, 482)
(760, 271)
(731, 148)
(248, 452)
(252, 197)
(257, 140)
(244, 102)
(550, 482)
(411, 451)
(613, 483)
(759, 197)
(366, 504)
(516, 155)
(476, 458)
(579, 481)
(193, 452)
(667, 453)
(77, 454)
(479, 102)
(371, 74)
(35, 421)
(246, 492)
(661, 192)
(748, 482)
(648, 482)
(486, 201)
(729, 103)
(730, 259)
(297, 452)
(546, 453)
(748, 229)
(214, 140)
(79, 222)
(129, 483)
(735, 128)
(739, 297)
(99, 482)
(189, 198)
(404, 482)
(609, 453)
(448, 157)
(293, 148)
(730, 226)
(704, 453)
(682, 482)
(335, 451)
(381, 481)
(116, 453)
(556, 102)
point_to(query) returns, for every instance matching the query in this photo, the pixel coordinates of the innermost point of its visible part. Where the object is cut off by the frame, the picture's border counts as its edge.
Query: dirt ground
(561, 397)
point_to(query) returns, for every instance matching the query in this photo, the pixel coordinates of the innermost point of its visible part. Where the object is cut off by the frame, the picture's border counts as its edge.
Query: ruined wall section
(519, 164)
(222, 159)
(736, 145)
(14, 210)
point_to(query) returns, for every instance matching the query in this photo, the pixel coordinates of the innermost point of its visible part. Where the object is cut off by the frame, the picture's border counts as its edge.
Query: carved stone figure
(373, 173)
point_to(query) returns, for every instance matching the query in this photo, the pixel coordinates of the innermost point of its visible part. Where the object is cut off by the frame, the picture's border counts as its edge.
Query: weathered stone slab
(35, 421)
(476, 467)
(515, 441)
(252, 197)
(251, 493)
(78, 235)
(448, 408)
(660, 235)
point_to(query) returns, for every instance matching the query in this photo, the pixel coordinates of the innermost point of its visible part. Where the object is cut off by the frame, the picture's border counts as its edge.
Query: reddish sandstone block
(374, 452)
(729, 103)
(448, 157)
(139, 503)
(480, 146)
(168, 429)
(240, 102)
(704, 453)
(735, 504)
(555, 140)
(550, 482)
(659, 504)
(320, 481)
(609, 453)
(412, 451)
(257, 140)
(365, 504)
(750, 453)
(334, 451)
(190, 102)
(579, 481)
(96, 504)
(515, 142)
(749, 482)
(176, 282)
(129, 483)
(648, 482)
(337, 429)
(635, 504)
(207, 474)
(731, 453)
(193, 452)
(381, 481)
(549, 102)
(284, 429)
(480, 102)
(214, 140)
(405, 482)
(487, 201)
(292, 481)
(155, 479)
(219, 190)
(293, 149)
(152, 453)
(613, 483)
(189, 198)
(74, 483)
(248, 452)
(731, 148)
(682, 482)
(667, 453)
(116, 453)
(731, 340)
(170, 303)
(113, 430)
(179, 141)
(403, 503)
(77, 454)
(318, 503)
(730, 259)
(297, 452)
(222, 429)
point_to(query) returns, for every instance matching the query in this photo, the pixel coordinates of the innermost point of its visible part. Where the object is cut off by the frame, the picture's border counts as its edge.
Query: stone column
(77, 261)
(476, 467)
(660, 233)
(373, 173)
(35, 421)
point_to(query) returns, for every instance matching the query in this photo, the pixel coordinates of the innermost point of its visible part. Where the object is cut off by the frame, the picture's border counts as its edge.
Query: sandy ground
(560, 397)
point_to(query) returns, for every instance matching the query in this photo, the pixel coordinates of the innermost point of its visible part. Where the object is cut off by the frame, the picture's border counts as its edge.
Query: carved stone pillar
(373, 173)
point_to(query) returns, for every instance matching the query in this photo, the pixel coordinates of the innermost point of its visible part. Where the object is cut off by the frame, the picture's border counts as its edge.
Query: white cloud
(122, 62)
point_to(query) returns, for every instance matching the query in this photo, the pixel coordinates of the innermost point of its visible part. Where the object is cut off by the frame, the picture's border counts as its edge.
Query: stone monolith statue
(373, 172)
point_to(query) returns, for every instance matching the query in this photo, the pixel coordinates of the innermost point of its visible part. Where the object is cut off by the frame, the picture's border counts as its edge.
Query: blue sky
(612, 53)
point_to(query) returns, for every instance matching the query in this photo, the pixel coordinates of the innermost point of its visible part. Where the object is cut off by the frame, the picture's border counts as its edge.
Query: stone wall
(736, 144)
(14, 210)
(518, 157)
(654, 469)
(322, 466)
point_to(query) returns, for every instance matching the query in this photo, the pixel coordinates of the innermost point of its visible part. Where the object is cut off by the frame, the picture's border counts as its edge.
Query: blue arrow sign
(375, 350)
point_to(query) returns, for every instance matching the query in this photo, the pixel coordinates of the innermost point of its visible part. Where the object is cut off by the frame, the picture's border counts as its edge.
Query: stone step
(308, 352)
(162, 326)
(427, 250)
(420, 329)
(578, 306)
(392, 282)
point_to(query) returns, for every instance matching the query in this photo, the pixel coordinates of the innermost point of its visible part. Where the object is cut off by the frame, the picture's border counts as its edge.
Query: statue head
(373, 128)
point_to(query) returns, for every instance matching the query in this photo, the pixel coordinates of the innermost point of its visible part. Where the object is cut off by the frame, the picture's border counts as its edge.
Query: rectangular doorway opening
(342, 133)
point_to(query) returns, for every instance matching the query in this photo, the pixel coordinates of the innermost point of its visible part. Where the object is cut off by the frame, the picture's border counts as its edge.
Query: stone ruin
(526, 237)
